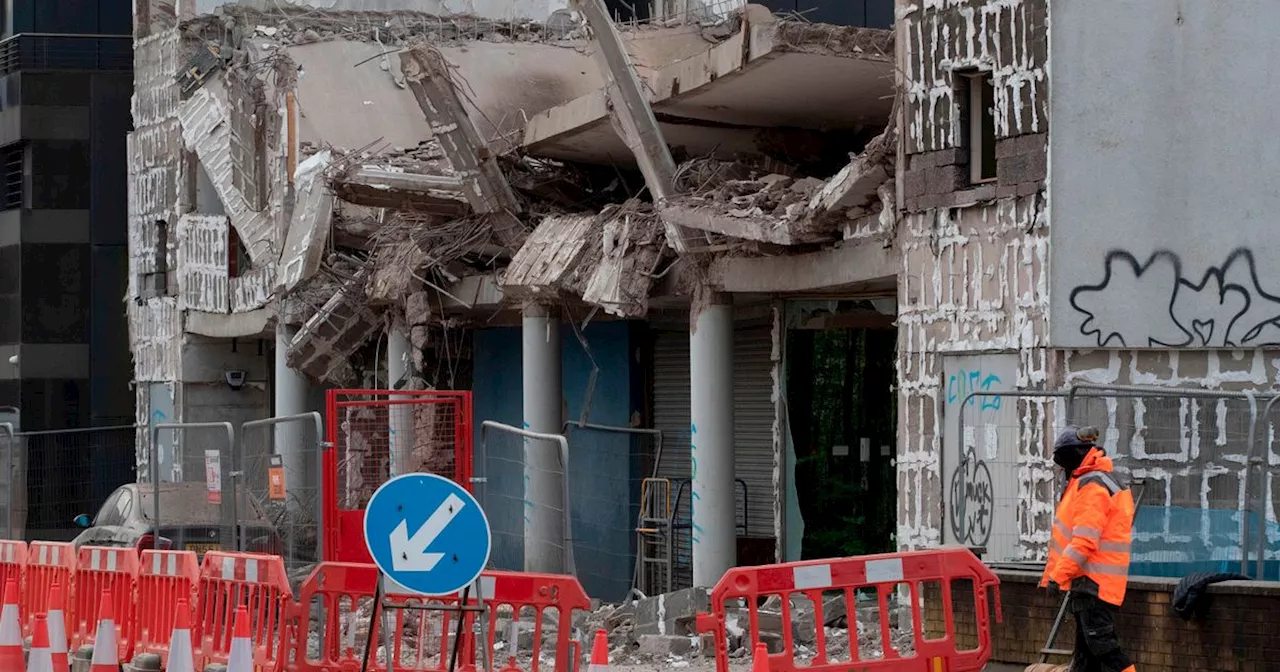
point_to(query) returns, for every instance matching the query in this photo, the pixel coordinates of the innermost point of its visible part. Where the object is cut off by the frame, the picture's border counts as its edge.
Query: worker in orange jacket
(1089, 551)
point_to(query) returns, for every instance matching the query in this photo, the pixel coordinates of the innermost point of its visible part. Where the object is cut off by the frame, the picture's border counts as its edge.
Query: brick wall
(1238, 637)
(941, 179)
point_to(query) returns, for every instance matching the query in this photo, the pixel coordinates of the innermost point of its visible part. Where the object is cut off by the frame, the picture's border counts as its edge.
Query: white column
(291, 439)
(711, 441)
(399, 367)
(543, 475)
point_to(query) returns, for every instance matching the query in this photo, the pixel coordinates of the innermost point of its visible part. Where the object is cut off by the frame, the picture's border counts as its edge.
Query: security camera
(236, 378)
(13, 360)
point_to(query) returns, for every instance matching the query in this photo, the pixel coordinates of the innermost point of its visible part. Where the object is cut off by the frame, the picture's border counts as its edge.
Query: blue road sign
(427, 533)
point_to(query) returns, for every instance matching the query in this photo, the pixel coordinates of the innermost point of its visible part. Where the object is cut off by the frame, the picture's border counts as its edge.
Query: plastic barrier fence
(99, 569)
(164, 577)
(422, 639)
(48, 562)
(13, 565)
(918, 649)
(228, 580)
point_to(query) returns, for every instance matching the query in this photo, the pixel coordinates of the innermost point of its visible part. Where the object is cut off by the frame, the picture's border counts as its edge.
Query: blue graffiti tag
(964, 383)
(695, 529)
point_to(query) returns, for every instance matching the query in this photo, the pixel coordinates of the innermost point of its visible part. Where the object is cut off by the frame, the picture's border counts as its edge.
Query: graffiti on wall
(973, 501)
(1156, 304)
(963, 383)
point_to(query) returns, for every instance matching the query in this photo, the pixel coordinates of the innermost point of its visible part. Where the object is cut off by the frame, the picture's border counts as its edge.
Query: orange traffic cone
(10, 629)
(241, 658)
(106, 658)
(41, 659)
(57, 623)
(760, 659)
(600, 653)
(181, 656)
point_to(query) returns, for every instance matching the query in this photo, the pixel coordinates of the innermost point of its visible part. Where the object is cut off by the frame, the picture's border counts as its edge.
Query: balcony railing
(48, 51)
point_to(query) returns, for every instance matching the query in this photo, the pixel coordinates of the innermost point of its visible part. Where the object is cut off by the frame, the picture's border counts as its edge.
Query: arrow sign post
(428, 535)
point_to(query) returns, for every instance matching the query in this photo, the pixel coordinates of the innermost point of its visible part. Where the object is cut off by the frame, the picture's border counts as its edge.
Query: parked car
(188, 521)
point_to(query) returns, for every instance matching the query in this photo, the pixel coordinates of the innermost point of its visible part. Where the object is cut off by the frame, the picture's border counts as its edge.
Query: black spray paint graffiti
(973, 503)
(1153, 304)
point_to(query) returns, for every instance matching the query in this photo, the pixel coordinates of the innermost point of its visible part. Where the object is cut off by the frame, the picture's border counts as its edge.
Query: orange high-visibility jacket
(1092, 531)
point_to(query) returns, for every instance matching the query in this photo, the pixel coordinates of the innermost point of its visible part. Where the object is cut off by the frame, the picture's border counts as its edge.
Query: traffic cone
(760, 659)
(10, 629)
(105, 656)
(57, 624)
(182, 657)
(41, 659)
(241, 658)
(600, 652)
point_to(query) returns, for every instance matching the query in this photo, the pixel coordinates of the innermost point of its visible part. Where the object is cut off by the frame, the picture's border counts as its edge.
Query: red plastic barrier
(97, 569)
(13, 565)
(228, 580)
(330, 594)
(883, 573)
(164, 577)
(47, 562)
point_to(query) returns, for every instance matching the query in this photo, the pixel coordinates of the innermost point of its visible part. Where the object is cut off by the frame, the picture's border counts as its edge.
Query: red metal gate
(358, 459)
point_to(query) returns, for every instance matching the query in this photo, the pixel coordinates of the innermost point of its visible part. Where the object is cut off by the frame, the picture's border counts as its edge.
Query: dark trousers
(1097, 648)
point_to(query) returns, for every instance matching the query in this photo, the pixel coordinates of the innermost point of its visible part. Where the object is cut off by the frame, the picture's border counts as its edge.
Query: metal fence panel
(204, 463)
(523, 486)
(70, 472)
(280, 465)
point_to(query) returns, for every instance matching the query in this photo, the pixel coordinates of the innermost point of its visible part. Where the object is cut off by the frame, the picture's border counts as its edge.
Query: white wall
(1162, 162)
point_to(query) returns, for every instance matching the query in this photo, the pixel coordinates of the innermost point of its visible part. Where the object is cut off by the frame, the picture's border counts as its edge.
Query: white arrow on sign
(410, 554)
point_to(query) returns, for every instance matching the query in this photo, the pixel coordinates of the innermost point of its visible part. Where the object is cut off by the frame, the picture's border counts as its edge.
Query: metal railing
(230, 514)
(300, 519)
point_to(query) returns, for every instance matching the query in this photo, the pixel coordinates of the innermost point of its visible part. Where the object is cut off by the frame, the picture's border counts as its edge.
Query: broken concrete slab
(852, 265)
(632, 250)
(666, 645)
(428, 76)
(750, 224)
(551, 258)
(206, 130)
(392, 187)
(309, 225)
(770, 73)
(671, 613)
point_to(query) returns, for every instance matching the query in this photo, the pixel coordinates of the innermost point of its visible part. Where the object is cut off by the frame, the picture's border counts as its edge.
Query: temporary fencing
(14, 482)
(61, 474)
(907, 641)
(366, 452)
(99, 571)
(208, 460)
(523, 485)
(281, 462)
(1265, 453)
(232, 580)
(168, 583)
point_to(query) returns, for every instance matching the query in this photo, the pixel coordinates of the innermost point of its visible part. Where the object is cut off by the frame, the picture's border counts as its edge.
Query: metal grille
(279, 463)
(376, 434)
(14, 175)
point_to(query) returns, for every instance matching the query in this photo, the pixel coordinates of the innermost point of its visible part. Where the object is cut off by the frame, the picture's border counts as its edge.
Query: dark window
(59, 174)
(975, 96)
(55, 293)
(56, 89)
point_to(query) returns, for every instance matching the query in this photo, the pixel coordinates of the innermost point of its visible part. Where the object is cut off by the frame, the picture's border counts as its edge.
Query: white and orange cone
(241, 658)
(760, 659)
(182, 657)
(599, 653)
(106, 657)
(10, 629)
(57, 624)
(41, 659)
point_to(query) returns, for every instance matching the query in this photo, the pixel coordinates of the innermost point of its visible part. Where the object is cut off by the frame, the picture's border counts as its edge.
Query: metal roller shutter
(753, 431)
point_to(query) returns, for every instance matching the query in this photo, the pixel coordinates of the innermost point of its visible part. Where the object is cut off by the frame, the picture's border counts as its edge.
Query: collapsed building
(754, 267)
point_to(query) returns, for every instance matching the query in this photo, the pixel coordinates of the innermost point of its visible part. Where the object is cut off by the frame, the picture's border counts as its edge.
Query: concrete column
(399, 359)
(711, 441)
(292, 440)
(544, 503)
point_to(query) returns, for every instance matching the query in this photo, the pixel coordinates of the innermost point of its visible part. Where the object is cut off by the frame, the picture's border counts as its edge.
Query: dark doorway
(842, 411)
(624, 11)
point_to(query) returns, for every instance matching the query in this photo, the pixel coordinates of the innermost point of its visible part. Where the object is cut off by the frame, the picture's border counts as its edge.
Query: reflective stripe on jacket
(1092, 532)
